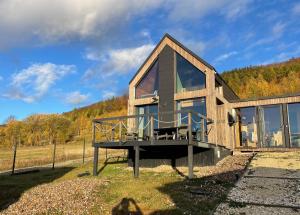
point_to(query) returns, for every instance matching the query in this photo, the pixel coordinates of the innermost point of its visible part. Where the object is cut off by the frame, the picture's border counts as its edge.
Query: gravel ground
(272, 180)
(226, 169)
(67, 197)
(271, 191)
(225, 208)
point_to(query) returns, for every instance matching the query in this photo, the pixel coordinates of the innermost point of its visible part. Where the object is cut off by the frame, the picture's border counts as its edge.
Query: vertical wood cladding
(166, 84)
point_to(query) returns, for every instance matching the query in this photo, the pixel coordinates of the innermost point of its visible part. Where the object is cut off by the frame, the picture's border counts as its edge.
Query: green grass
(152, 192)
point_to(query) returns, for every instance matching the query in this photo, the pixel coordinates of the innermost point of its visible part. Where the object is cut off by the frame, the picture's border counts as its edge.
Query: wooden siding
(260, 102)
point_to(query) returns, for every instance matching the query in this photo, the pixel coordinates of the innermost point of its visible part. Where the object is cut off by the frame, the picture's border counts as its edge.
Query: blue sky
(56, 55)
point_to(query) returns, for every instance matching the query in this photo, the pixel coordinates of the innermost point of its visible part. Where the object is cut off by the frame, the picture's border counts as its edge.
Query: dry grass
(280, 160)
(41, 155)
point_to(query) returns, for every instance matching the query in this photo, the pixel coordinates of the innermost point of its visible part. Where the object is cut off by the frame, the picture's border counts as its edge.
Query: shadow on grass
(12, 186)
(196, 196)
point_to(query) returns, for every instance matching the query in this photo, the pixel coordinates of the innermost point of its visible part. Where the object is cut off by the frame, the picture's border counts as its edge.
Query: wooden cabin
(181, 112)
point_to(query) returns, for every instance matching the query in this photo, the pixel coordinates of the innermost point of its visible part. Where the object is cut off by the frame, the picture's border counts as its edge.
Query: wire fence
(17, 157)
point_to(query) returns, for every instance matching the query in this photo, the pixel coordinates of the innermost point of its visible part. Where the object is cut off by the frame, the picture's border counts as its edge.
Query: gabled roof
(179, 44)
(189, 52)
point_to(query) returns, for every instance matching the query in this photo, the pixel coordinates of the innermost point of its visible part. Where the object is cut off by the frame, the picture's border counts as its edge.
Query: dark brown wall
(166, 84)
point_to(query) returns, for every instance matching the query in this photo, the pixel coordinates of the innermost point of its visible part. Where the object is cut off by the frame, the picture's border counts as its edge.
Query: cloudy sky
(56, 55)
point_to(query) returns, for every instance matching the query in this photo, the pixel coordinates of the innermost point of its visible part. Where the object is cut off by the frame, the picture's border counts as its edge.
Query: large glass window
(248, 127)
(196, 105)
(188, 77)
(143, 122)
(271, 126)
(294, 124)
(148, 86)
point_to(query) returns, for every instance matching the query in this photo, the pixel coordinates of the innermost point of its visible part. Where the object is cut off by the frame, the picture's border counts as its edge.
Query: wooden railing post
(112, 134)
(151, 129)
(202, 130)
(120, 131)
(190, 148)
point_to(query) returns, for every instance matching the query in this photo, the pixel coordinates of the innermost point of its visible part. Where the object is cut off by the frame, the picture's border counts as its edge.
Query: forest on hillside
(260, 81)
(43, 129)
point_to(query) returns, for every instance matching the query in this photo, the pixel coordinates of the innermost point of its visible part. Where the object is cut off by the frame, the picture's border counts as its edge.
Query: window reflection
(196, 105)
(271, 126)
(248, 127)
(148, 86)
(294, 124)
(143, 122)
(188, 77)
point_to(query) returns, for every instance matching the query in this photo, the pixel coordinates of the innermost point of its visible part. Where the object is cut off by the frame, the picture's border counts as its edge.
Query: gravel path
(270, 186)
(67, 197)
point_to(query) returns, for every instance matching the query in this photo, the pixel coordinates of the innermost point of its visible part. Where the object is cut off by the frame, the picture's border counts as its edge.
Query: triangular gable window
(188, 77)
(148, 86)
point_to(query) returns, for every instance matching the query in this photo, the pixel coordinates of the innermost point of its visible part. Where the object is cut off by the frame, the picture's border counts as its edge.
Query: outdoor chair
(183, 133)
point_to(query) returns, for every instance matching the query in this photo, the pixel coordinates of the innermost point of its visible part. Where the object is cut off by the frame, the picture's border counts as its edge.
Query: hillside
(259, 81)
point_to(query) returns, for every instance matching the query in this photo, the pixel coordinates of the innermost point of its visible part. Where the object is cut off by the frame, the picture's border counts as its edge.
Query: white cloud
(276, 32)
(118, 61)
(92, 55)
(76, 98)
(122, 60)
(33, 83)
(194, 8)
(278, 28)
(108, 94)
(225, 56)
(296, 9)
(48, 21)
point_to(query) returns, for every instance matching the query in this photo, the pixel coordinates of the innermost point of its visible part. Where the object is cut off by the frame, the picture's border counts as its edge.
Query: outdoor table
(169, 132)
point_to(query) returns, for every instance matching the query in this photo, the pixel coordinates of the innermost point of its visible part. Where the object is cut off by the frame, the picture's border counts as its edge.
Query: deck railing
(146, 127)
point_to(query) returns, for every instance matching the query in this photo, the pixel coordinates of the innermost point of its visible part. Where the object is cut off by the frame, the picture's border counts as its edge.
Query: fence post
(15, 154)
(54, 151)
(83, 153)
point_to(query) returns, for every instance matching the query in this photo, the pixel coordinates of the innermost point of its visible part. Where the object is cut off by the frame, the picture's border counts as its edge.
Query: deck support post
(96, 154)
(151, 129)
(96, 150)
(190, 148)
(137, 161)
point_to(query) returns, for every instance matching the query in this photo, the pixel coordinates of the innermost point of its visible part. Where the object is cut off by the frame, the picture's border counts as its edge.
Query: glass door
(143, 122)
(294, 124)
(271, 126)
(248, 127)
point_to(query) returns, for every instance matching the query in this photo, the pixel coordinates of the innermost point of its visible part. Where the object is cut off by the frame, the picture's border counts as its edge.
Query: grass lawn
(153, 193)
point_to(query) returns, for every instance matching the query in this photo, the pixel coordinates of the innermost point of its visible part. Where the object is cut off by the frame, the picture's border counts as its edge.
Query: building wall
(163, 54)
(220, 132)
